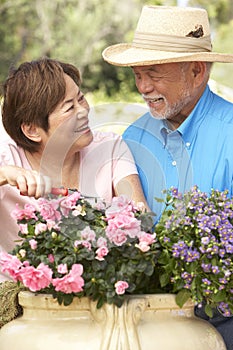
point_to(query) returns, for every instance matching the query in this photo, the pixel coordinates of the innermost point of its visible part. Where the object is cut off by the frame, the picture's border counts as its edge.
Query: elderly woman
(51, 145)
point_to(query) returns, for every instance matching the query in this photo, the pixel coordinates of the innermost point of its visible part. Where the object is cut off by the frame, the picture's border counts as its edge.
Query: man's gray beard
(174, 110)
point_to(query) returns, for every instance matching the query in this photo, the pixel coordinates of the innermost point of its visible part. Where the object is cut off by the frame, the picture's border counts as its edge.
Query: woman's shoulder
(10, 153)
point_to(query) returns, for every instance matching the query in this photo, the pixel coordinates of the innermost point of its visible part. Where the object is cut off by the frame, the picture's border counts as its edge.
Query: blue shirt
(199, 152)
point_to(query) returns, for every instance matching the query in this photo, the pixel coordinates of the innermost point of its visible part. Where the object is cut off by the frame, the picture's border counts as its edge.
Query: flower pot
(145, 322)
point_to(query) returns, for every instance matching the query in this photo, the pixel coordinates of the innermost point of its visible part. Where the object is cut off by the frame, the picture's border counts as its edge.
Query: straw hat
(167, 34)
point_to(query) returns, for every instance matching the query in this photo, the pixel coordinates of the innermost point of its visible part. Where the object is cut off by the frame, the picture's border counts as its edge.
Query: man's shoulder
(222, 109)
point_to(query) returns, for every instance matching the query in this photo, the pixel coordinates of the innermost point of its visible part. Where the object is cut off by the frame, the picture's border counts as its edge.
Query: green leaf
(182, 296)
(219, 296)
(164, 279)
(209, 310)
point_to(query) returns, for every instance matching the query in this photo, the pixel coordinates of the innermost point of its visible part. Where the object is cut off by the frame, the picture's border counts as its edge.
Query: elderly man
(186, 138)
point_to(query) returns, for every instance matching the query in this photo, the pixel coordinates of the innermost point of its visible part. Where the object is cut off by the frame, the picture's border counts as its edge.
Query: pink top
(103, 164)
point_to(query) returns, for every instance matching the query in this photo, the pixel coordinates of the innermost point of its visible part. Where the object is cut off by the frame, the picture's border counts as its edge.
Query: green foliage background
(78, 30)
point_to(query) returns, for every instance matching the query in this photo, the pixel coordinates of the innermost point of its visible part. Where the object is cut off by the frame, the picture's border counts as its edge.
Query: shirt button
(188, 144)
(174, 163)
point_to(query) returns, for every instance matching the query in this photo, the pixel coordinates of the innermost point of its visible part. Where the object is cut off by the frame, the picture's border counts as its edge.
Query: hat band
(164, 42)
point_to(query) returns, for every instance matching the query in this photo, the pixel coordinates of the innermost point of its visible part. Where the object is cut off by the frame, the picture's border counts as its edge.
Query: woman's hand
(29, 182)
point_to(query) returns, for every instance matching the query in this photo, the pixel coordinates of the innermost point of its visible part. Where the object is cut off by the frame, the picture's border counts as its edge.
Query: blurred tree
(221, 22)
(78, 30)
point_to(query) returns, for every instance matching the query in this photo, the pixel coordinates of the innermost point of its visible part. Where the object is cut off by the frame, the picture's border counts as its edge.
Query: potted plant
(76, 254)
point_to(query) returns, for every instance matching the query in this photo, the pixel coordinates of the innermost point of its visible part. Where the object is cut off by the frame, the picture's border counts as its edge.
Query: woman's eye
(70, 108)
(81, 98)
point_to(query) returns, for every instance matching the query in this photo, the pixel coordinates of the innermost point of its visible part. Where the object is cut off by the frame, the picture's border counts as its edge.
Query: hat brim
(126, 55)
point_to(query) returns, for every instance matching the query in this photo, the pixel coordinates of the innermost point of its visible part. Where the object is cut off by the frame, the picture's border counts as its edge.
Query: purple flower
(206, 281)
(224, 309)
(215, 269)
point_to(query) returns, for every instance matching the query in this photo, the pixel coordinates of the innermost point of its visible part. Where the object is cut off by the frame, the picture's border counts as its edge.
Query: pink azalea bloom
(23, 228)
(51, 258)
(147, 237)
(101, 252)
(100, 205)
(33, 243)
(101, 241)
(62, 268)
(143, 246)
(72, 282)
(48, 209)
(28, 212)
(130, 225)
(120, 287)
(88, 234)
(83, 243)
(40, 227)
(36, 278)
(68, 203)
(116, 236)
(51, 224)
(77, 243)
(119, 204)
(145, 240)
(10, 264)
(86, 244)
(140, 207)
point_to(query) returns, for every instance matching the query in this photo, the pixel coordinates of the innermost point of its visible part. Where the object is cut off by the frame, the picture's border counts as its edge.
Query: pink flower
(147, 237)
(143, 246)
(52, 225)
(101, 252)
(120, 287)
(27, 213)
(116, 236)
(88, 234)
(85, 244)
(71, 283)
(33, 244)
(23, 228)
(40, 227)
(145, 240)
(128, 223)
(51, 258)
(62, 268)
(99, 205)
(68, 203)
(36, 278)
(48, 209)
(101, 241)
(10, 264)
(119, 204)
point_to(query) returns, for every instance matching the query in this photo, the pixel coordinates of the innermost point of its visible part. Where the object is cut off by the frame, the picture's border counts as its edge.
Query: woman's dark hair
(31, 93)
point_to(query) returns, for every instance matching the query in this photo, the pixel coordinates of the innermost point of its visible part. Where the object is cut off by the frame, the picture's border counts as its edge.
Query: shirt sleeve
(105, 162)
(123, 162)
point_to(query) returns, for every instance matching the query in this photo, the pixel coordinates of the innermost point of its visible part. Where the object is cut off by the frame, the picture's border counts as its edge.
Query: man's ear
(32, 132)
(199, 72)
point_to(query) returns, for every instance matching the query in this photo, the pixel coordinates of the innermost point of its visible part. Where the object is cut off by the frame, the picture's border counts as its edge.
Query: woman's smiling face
(68, 123)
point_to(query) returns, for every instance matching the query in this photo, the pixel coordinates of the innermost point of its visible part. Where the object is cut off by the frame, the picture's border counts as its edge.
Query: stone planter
(145, 322)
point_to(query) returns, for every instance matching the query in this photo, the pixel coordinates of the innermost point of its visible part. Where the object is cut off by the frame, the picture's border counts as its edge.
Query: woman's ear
(32, 132)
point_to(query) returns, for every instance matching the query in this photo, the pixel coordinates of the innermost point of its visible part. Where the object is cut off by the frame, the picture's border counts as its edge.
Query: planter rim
(158, 301)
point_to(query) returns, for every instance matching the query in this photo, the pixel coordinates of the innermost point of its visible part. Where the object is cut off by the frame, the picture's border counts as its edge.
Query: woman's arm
(131, 187)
